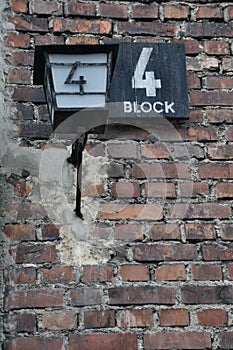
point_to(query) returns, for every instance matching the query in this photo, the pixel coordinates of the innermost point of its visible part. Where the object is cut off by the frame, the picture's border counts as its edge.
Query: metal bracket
(76, 160)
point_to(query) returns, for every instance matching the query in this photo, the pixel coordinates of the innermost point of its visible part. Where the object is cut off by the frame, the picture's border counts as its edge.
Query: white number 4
(143, 79)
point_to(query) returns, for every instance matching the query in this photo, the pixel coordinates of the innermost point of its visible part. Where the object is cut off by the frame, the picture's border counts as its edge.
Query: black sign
(149, 80)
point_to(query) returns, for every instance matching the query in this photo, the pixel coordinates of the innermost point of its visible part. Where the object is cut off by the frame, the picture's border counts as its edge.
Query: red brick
(191, 46)
(134, 273)
(174, 318)
(230, 271)
(58, 274)
(160, 190)
(20, 232)
(209, 30)
(115, 170)
(193, 81)
(226, 340)
(150, 28)
(224, 190)
(140, 295)
(128, 232)
(212, 12)
(212, 318)
(165, 232)
(164, 252)
(42, 7)
(136, 318)
(40, 298)
(230, 12)
(217, 251)
(21, 275)
(49, 40)
(19, 6)
(229, 133)
(196, 116)
(177, 340)
(175, 272)
(35, 343)
(21, 59)
(227, 232)
(18, 41)
(30, 24)
(227, 64)
(216, 171)
(199, 231)
(125, 189)
(19, 76)
(113, 10)
(86, 296)
(218, 116)
(99, 319)
(155, 151)
(82, 26)
(199, 211)
(50, 232)
(21, 188)
(221, 294)
(211, 98)
(82, 40)
(130, 212)
(123, 150)
(36, 254)
(220, 152)
(213, 82)
(59, 320)
(20, 323)
(194, 189)
(98, 273)
(145, 11)
(80, 9)
(163, 170)
(97, 341)
(202, 134)
(176, 11)
(206, 272)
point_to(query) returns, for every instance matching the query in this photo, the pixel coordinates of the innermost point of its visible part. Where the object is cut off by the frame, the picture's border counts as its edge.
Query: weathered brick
(163, 170)
(21, 58)
(30, 24)
(194, 189)
(59, 320)
(141, 295)
(82, 26)
(125, 189)
(155, 151)
(24, 322)
(229, 133)
(97, 341)
(19, 6)
(216, 171)
(176, 11)
(35, 343)
(113, 10)
(215, 47)
(209, 30)
(145, 11)
(196, 116)
(80, 9)
(206, 272)
(98, 273)
(19, 76)
(199, 231)
(76, 40)
(230, 12)
(224, 190)
(165, 232)
(21, 41)
(150, 28)
(50, 8)
(174, 272)
(220, 152)
(40, 298)
(128, 232)
(211, 98)
(230, 271)
(99, 319)
(160, 190)
(22, 189)
(130, 212)
(212, 317)
(28, 94)
(174, 318)
(24, 112)
(212, 12)
(227, 64)
(122, 150)
(136, 318)
(35, 130)
(193, 81)
(49, 40)
(20, 232)
(36, 254)
(219, 82)
(115, 170)
(218, 116)
(164, 252)
(21, 275)
(217, 251)
(199, 211)
(226, 339)
(193, 294)
(227, 232)
(177, 340)
(191, 46)
(86, 296)
(58, 274)
(50, 232)
(134, 273)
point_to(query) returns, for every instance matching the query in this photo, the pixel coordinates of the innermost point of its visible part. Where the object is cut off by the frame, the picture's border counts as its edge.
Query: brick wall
(158, 270)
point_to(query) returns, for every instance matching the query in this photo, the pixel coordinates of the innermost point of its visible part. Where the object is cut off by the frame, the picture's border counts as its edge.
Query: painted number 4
(143, 79)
